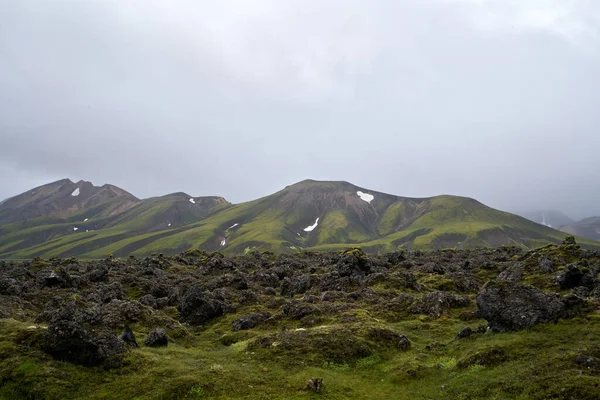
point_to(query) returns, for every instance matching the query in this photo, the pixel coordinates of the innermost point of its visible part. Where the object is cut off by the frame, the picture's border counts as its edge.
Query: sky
(491, 99)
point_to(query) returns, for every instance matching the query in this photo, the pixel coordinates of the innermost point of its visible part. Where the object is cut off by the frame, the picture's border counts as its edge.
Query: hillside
(588, 228)
(309, 215)
(550, 218)
(63, 199)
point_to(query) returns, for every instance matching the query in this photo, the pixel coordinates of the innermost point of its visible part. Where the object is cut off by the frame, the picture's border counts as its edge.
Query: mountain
(550, 218)
(313, 215)
(587, 228)
(63, 199)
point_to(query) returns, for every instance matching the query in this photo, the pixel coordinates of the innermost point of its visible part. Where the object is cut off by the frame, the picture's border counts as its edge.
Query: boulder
(353, 262)
(149, 300)
(199, 306)
(295, 285)
(249, 321)
(156, 338)
(98, 273)
(572, 277)
(68, 339)
(118, 313)
(511, 307)
(9, 287)
(297, 309)
(128, 337)
(464, 333)
(57, 278)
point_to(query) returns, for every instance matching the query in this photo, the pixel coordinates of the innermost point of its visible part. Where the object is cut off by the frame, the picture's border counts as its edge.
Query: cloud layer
(489, 99)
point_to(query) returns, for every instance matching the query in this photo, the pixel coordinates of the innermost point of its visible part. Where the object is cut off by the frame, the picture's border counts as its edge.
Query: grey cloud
(488, 99)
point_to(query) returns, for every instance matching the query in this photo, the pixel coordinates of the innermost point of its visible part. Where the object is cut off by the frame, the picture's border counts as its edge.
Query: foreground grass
(536, 364)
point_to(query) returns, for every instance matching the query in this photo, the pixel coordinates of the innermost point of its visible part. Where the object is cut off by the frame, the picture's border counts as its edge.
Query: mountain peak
(310, 214)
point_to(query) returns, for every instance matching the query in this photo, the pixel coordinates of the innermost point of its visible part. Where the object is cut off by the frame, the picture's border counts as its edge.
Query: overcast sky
(492, 99)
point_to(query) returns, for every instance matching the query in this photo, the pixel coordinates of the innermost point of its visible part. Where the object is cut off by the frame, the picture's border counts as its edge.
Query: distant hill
(587, 228)
(550, 218)
(78, 219)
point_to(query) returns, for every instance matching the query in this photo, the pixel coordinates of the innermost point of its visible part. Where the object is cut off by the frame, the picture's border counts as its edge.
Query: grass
(539, 364)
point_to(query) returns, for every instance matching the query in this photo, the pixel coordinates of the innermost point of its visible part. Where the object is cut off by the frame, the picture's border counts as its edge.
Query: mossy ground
(275, 359)
(538, 364)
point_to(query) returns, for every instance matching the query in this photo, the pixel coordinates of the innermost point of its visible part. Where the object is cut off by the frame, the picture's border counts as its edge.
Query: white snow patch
(75, 229)
(233, 226)
(298, 234)
(169, 225)
(544, 222)
(192, 201)
(85, 220)
(223, 242)
(86, 230)
(365, 196)
(310, 228)
(75, 192)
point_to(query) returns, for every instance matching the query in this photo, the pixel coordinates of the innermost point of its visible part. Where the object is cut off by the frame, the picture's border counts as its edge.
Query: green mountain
(309, 215)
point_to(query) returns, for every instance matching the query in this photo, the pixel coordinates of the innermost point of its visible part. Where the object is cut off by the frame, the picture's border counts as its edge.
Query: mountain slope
(97, 219)
(587, 228)
(308, 215)
(63, 199)
(550, 218)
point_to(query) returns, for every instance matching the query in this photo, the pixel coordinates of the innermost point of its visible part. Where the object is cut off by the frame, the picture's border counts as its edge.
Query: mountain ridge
(307, 215)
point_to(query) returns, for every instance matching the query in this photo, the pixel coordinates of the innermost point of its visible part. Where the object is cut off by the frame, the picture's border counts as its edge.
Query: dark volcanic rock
(118, 313)
(57, 278)
(149, 300)
(68, 339)
(249, 321)
(353, 262)
(464, 333)
(199, 306)
(128, 337)
(9, 287)
(97, 273)
(297, 309)
(389, 337)
(438, 303)
(157, 338)
(572, 277)
(510, 307)
(295, 285)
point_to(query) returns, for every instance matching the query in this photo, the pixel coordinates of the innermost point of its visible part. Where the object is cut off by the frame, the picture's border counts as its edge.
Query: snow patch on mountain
(75, 192)
(233, 226)
(365, 196)
(85, 220)
(192, 201)
(312, 227)
(75, 229)
(544, 222)
(223, 242)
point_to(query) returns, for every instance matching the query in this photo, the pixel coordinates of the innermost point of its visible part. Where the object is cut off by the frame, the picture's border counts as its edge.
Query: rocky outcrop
(510, 307)
(69, 338)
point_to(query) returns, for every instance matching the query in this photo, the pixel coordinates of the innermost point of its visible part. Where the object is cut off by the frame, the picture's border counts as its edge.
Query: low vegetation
(450, 324)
